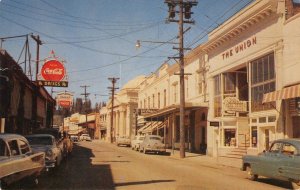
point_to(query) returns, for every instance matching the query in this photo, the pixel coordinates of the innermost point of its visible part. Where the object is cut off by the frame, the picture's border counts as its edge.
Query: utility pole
(184, 10)
(38, 43)
(113, 88)
(85, 94)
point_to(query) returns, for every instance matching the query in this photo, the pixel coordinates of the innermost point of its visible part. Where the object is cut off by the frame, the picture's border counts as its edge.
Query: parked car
(281, 161)
(17, 160)
(152, 143)
(49, 145)
(74, 138)
(58, 135)
(136, 141)
(123, 140)
(85, 137)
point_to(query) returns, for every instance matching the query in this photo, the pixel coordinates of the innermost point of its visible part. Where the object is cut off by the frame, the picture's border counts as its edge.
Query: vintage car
(136, 141)
(74, 138)
(85, 137)
(59, 138)
(123, 141)
(17, 161)
(281, 161)
(152, 143)
(49, 145)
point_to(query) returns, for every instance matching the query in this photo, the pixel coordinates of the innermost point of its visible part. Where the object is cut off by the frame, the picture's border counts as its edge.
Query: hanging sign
(64, 99)
(53, 73)
(233, 104)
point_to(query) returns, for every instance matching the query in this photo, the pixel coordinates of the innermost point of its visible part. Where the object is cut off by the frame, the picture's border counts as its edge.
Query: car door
(289, 167)
(268, 161)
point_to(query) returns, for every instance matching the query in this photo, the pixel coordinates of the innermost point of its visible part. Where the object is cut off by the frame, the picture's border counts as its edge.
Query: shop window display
(229, 137)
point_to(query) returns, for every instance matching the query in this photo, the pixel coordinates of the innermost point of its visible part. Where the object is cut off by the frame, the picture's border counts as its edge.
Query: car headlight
(49, 152)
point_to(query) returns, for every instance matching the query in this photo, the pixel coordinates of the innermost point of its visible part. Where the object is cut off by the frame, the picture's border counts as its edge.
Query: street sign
(53, 73)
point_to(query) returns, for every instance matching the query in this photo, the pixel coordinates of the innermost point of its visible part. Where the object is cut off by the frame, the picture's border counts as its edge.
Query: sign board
(145, 111)
(53, 73)
(214, 123)
(64, 99)
(233, 104)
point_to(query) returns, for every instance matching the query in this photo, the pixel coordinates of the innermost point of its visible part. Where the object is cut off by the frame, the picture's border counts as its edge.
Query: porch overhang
(285, 93)
(172, 109)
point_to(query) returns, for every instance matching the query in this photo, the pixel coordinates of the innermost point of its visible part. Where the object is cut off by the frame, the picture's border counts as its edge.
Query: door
(296, 128)
(267, 139)
(290, 163)
(267, 164)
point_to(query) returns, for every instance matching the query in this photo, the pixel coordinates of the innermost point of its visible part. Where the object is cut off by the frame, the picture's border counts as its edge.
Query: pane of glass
(230, 82)
(254, 136)
(259, 71)
(271, 66)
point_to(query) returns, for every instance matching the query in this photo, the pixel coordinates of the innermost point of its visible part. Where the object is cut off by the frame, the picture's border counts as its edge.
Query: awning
(285, 93)
(144, 127)
(154, 125)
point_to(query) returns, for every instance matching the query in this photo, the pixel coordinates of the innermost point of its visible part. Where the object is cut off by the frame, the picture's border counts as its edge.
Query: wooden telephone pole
(113, 88)
(184, 10)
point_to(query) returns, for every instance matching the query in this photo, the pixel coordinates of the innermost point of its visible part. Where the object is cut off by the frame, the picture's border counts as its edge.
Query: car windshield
(40, 140)
(155, 138)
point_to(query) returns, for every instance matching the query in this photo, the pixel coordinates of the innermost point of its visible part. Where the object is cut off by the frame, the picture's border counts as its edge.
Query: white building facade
(253, 53)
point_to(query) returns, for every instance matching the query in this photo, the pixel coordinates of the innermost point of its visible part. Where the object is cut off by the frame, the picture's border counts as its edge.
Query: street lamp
(138, 42)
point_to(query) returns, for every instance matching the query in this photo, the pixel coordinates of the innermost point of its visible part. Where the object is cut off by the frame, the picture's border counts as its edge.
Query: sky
(97, 38)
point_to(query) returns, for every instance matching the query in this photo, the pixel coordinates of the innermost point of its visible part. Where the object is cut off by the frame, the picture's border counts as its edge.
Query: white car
(152, 143)
(136, 141)
(48, 144)
(85, 137)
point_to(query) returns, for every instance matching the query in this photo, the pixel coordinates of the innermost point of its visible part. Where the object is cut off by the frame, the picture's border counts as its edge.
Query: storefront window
(229, 83)
(254, 136)
(263, 81)
(229, 137)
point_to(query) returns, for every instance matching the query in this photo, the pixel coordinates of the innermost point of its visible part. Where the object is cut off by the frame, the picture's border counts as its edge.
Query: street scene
(99, 165)
(139, 94)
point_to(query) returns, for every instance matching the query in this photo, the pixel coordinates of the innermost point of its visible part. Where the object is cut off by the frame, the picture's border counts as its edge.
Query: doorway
(296, 127)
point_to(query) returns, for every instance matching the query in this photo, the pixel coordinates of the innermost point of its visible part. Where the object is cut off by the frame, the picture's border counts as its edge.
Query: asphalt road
(99, 165)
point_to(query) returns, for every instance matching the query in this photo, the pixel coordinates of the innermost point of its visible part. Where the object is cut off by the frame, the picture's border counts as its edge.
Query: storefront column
(2, 125)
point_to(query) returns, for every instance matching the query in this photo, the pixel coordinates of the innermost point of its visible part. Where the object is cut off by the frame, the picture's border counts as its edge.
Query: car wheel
(250, 174)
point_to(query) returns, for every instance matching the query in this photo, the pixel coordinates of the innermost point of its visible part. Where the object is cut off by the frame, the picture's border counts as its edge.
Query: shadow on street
(78, 172)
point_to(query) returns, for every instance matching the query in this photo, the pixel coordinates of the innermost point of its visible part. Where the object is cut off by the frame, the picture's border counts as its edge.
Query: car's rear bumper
(156, 149)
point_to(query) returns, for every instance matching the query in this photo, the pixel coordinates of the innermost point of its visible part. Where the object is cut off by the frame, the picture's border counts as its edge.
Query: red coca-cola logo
(53, 70)
(65, 104)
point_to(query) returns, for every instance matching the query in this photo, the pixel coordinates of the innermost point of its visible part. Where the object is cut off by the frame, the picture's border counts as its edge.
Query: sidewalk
(206, 160)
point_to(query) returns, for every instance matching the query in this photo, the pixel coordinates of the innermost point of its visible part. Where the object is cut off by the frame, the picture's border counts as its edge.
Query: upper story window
(262, 81)
(175, 92)
(165, 97)
(153, 101)
(187, 87)
(158, 100)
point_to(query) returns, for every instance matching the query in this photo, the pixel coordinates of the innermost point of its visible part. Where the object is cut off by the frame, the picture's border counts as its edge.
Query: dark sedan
(281, 162)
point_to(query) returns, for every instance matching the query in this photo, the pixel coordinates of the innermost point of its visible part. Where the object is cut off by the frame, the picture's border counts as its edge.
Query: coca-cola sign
(53, 70)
